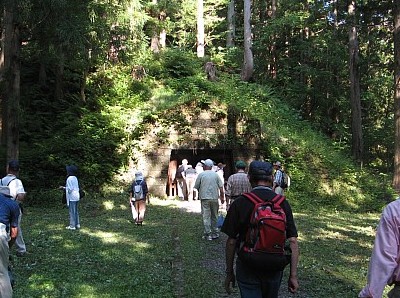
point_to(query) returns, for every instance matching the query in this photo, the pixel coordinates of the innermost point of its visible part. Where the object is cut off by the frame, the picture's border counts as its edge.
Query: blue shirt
(9, 211)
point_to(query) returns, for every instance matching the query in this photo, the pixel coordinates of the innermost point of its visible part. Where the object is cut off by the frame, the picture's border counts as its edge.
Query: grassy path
(166, 257)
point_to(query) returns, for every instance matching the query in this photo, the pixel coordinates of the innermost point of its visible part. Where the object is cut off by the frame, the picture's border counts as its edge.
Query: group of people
(12, 194)
(186, 176)
(264, 180)
(260, 180)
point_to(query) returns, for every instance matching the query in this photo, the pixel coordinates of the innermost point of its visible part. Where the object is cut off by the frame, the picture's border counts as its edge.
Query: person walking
(18, 194)
(278, 178)
(137, 198)
(210, 188)
(384, 268)
(181, 181)
(72, 193)
(253, 282)
(237, 184)
(9, 217)
(190, 177)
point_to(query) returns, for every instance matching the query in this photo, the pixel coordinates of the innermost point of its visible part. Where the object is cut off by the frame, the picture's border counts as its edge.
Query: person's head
(260, 172)
(71, 170)
(240, 165)
(13, 166)
(277, 165)
(184, 162)
(138, 175)
(207, 164)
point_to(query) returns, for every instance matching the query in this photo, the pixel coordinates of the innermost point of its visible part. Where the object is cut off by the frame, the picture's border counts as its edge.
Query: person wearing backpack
(261, 257)
(278, 186)
(9, 214)
(17, 193)
(137, 198)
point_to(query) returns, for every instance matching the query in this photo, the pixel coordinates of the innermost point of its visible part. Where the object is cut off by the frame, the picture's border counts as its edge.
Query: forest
(102, 83)
(81, 79)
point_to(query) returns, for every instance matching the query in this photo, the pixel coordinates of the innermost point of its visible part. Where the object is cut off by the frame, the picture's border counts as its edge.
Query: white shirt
(72, 189)
(14, 184)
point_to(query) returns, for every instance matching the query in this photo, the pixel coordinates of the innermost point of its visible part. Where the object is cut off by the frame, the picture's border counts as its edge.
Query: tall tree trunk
(396, 38)
(155, 43)
(163, 38)
(59, 93)
(230, 37)
(248, 64)
(356, 125)
(273, 64)
(10, 76)
(200, 29)
(4, 47)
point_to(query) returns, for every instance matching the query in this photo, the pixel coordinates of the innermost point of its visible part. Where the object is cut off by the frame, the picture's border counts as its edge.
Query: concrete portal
(194, 156)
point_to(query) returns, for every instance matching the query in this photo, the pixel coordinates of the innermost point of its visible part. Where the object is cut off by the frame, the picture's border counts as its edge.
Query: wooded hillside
(83, 81)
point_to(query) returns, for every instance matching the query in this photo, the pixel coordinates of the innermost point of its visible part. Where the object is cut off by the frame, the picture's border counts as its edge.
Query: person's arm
(221, 194)
(228, 188)
(145, 189)
(15, 212)
(13, 236)
(21, 197)
(229, 259)
(293, 283)
(384, 256)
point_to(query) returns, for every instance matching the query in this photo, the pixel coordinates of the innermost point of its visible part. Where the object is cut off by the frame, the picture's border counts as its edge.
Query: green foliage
(179, 63)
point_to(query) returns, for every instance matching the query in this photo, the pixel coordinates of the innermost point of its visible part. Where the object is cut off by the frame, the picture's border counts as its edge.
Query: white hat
(138, 175)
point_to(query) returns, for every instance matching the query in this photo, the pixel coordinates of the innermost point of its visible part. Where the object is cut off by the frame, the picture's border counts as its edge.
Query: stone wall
(200, 134)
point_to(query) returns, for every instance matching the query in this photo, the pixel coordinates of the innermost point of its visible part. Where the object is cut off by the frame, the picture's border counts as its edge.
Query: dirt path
(218, 263)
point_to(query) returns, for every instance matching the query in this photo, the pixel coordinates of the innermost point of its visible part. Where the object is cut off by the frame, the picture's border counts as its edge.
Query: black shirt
(237, 219)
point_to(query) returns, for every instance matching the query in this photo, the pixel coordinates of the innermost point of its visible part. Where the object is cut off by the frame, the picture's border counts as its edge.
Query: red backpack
(264, 245)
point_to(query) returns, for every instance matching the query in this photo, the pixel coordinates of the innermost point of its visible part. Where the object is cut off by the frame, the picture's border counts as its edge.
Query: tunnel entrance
(194, 156)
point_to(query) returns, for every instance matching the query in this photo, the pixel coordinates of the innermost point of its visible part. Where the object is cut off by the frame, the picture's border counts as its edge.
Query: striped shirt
(278, 177)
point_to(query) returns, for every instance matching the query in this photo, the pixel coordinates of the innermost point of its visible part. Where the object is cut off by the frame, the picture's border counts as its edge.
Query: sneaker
(214, 236)
(78, 226)
(207, 237)
(21, 253)
(70, 228)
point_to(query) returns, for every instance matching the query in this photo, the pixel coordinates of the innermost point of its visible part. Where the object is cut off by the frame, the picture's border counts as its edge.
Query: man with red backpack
(261, 257)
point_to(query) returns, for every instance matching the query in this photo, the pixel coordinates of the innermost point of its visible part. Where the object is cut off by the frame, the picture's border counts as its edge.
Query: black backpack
(285, 180)
(179, 172)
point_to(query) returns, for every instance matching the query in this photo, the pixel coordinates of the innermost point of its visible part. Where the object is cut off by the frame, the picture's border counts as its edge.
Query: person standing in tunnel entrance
(181, 181)
(190, 178)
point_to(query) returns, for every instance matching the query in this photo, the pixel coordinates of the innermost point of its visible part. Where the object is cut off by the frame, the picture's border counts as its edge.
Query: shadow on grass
(166, 257)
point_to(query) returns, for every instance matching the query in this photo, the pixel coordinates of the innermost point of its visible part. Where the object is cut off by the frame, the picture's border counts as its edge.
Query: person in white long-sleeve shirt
(384, 267)
(72, 193)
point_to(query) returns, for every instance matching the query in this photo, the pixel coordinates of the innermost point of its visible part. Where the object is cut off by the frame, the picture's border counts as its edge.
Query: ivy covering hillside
(102, 134)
